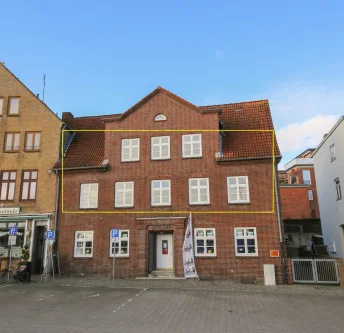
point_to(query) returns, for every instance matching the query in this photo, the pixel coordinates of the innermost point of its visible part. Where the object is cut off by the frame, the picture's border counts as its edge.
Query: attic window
(159, 117)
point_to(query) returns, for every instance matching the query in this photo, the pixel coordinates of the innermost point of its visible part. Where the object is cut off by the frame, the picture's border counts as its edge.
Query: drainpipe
(57, 210)
(284, 268)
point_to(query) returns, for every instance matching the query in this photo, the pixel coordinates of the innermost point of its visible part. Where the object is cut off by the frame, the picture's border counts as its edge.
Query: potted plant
(25, 256)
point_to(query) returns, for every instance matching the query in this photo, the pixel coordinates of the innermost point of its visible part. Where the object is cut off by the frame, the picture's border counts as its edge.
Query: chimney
(67, 115)
(325, 135)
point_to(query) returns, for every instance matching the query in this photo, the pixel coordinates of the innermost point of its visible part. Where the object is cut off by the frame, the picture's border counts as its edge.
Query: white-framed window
(160, 117)
(13, 107)
(120, 248)
(205, 242)
(124, 194)
(332, 152)
(161, 192)
(89, 195)
(338, 189)
(306, 175)
(83, 245)
(12, 141)
(1, 105)
(130, 150)
(238, 190)
(199, 191)
(160, 146)
(192, 145)
(246, 242)
(310, 194)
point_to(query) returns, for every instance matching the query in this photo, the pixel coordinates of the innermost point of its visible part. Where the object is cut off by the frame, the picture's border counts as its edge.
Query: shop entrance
(37, 263)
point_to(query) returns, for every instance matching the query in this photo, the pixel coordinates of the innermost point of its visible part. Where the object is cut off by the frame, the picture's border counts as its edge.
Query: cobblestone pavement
(190, 284)
(35, 308)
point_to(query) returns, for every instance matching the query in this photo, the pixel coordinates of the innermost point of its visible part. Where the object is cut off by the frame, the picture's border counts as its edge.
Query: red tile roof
(246, 116)
(87, 148)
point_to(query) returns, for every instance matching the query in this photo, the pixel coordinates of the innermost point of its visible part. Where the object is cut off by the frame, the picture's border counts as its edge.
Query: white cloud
(299, 136)
(302, 114)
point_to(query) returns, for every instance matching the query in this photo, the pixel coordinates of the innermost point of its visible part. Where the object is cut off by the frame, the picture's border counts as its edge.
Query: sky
(101, 57)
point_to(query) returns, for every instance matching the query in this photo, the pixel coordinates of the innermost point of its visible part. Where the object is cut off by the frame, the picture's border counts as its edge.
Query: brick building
(146, 183)
(30, 142)
(299, 202)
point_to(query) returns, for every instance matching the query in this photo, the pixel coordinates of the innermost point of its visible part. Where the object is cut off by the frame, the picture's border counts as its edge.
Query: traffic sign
(12, 240)
(50, 235)
(114, 234)
(13, 230)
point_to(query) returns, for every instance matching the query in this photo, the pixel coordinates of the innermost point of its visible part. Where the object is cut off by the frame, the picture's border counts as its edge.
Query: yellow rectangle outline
(172, 212)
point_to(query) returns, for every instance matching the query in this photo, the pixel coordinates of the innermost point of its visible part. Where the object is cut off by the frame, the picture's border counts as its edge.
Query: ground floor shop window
(246, 242)
(205, 242)
(4, 247)
(83, 247)
(120, 247)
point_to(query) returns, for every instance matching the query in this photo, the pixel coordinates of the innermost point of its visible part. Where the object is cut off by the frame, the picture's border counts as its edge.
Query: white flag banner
(188, 253)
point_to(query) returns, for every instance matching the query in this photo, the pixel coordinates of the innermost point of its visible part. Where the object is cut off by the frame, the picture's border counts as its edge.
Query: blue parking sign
(50, 235)
(12, 230)
(114, 233)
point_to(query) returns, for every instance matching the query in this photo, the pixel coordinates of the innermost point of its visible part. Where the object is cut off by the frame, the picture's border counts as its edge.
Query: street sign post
(114, 238)
(50, 235)
(49, 240)
(12, 240)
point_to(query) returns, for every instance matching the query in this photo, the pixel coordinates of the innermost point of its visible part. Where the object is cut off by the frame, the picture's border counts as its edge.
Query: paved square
(38, 308)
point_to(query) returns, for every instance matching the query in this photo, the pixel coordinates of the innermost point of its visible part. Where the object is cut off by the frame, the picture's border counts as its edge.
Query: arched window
(159, 117)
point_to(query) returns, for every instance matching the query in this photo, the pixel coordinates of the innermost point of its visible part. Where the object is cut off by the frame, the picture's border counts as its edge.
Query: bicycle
(18, 274)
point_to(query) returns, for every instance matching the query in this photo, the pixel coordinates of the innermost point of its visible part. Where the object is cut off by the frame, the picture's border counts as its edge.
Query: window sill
(12, 115)
(130, 161)
(192, 157)
(83, 258)
(124, 207)
(27, 200)
(7, 201)
(199, 204)
(161, 159)
(120, 257)
(157, 206)
(11, 151)
(205, 257)
(80, 208)
(239, 203)
(32, 150)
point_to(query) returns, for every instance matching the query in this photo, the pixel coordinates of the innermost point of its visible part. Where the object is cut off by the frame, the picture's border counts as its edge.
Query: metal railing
(315, 270)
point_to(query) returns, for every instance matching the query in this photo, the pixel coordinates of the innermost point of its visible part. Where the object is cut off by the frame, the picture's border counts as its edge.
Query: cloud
(302, 113)
(299, 136)
(219, 54)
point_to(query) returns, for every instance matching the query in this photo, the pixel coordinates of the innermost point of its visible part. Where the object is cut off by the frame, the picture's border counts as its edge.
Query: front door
(164, 251)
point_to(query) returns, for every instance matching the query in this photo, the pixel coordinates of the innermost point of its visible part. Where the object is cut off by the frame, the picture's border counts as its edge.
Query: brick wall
(295, 203)
(179, 116)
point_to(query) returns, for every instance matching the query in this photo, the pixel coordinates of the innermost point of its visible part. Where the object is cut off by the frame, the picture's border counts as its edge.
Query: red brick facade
(141, 221)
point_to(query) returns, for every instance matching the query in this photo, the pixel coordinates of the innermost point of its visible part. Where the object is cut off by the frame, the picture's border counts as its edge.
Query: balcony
(298, 161)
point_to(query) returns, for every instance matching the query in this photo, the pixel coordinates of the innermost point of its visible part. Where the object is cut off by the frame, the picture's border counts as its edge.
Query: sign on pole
(12, 239)
(13, 230)
(114, 238)
(50, 235)
(114, 235)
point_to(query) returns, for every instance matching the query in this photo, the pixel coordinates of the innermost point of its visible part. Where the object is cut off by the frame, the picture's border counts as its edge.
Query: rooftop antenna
(44, 76)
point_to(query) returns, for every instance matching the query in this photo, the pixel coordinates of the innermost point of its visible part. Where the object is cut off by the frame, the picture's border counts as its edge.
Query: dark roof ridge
(224, 104)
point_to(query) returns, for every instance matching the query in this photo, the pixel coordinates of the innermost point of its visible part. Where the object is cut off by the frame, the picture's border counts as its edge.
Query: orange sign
(274, 253)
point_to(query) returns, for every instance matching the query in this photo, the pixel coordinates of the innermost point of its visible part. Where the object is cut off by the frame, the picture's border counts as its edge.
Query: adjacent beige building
(29, 147)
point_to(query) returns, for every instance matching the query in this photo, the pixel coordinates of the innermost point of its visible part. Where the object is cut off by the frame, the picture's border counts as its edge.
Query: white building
(329, 173)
